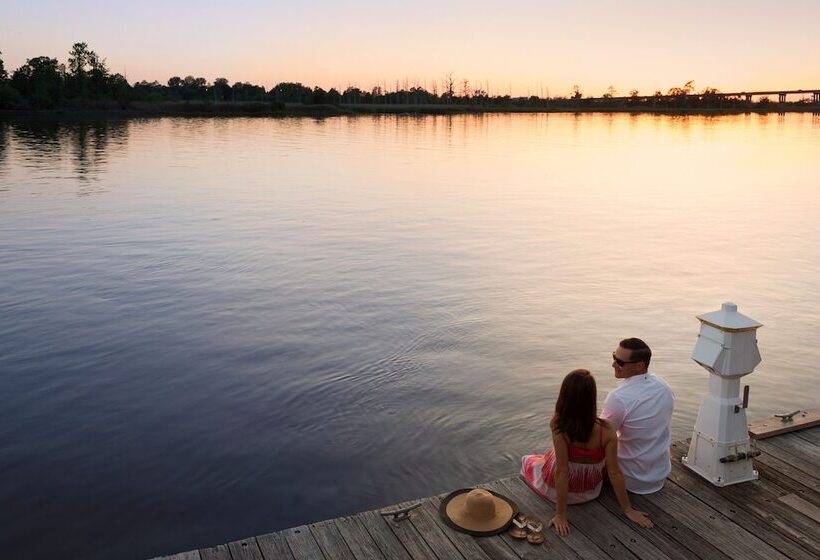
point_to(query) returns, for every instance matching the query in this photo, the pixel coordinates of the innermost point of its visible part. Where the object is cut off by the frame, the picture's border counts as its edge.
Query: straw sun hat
(477, 512)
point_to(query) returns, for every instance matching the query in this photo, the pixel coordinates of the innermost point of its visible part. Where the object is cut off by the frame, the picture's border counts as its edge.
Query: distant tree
(41, 80)
(576, 92)
(352, 95)
(290, 92)
(610, 92)
(633, 93)
(87, 73)
(448, 85)
(175, 82)
(319, 96)
(465, 88)
(221, 89)
(334, 97)
(3, 74)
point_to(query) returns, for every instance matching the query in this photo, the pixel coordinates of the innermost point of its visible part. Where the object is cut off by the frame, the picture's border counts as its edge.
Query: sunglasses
(621, 362)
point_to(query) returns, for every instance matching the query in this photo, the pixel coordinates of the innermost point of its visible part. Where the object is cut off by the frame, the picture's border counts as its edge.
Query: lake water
(216, 328)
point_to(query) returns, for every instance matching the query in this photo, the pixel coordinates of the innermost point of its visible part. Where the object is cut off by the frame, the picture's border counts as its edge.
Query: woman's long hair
(576, 410)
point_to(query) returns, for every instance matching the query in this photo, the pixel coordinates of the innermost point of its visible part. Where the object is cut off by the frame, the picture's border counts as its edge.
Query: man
(640, 409)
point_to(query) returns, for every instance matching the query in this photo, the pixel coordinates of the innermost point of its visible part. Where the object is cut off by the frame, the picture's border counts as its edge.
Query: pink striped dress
(586, 473)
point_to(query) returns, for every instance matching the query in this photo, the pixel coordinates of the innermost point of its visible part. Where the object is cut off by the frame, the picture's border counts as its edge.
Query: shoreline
(266, 109)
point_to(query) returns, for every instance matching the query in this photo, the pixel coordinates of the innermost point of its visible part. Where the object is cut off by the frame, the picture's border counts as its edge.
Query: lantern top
(727, 318)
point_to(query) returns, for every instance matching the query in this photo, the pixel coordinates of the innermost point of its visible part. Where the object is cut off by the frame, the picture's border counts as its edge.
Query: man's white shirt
(640, 409)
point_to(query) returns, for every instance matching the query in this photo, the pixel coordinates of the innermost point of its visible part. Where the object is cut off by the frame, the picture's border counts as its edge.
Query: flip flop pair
(528, 528)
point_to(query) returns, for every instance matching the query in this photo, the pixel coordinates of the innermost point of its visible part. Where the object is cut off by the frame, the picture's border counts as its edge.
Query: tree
(576, 92)
(610, 92)
(3, 73)
(221, 89)
(40, 79)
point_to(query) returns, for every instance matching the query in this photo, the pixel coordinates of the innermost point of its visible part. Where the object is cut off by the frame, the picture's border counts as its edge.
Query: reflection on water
(257, 323)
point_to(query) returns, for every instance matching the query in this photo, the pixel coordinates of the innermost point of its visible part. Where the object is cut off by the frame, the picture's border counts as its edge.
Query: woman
(572, 472)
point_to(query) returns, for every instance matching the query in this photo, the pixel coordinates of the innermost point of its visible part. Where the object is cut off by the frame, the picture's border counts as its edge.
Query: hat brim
(499, 524)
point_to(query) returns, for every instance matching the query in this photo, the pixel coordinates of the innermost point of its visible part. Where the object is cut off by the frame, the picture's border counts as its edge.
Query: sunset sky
(519, 46)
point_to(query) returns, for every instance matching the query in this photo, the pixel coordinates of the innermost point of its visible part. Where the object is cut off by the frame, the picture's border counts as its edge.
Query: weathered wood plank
(358, 539)
(331, 541)
(744, 505)
(797, 446)
(246, 549)
(806, 508)
(574, 545)
(769, 427)
(219, 552)
(387, 541)
(598, 522)
(493, 548)
(667, 530)
(776, 469)
(274, 546)
(433, 535)
(302, 544)
(712, 525)
(811, 435)
(408, 536)
(808, 467)
(190, 555)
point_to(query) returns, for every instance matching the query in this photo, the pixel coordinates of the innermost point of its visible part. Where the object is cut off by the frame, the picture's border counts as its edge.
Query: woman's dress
(586, 473)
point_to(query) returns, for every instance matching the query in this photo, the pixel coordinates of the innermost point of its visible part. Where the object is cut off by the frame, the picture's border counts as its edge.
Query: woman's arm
(559, 520)
(616, 478)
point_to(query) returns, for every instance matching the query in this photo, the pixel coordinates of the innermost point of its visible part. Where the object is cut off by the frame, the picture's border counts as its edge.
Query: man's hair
(640, 352)
(575, 410)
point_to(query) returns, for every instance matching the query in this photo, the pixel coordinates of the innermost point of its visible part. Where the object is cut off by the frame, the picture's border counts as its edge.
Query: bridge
(747, 95)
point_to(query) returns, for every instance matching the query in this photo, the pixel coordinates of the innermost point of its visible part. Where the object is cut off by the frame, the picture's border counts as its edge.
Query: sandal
(536, 535)
(519, 529)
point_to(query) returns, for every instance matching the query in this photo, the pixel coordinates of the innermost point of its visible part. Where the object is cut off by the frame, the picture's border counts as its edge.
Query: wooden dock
(776, 517)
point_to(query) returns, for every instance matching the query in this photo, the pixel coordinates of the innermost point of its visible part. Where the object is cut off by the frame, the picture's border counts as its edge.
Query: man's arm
(614, 411)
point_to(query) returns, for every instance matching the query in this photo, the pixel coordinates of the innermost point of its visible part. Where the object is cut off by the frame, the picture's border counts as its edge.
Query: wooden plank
(806, 508)
(788, 483)
(190, 555)
(812, 435)
(409, 537)
(808, 468)
(246, 549)
(219, 552)
(598, 522)
(744, 505)
(436, 539)
(703, 514)
(331, 541)
(769, 427)
(358, 539)
(687, 543)
(390, 546)
(274, 546)
(493, 548)
(302, 544)
(574, 545)
(797, 446)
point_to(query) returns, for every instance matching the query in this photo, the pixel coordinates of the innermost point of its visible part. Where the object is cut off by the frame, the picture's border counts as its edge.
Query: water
(211, 329)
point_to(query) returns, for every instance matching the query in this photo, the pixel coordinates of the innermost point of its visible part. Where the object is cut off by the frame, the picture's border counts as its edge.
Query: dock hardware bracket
(400, 514)
(787, 417)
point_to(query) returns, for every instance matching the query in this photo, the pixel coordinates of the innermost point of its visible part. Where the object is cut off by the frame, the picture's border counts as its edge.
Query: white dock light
(727, 347)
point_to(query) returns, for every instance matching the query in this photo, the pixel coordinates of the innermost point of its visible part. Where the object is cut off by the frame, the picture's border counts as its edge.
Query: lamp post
(720, 450)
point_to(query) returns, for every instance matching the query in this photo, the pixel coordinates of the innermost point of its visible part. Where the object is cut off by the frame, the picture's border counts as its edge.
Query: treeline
(45, 82)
